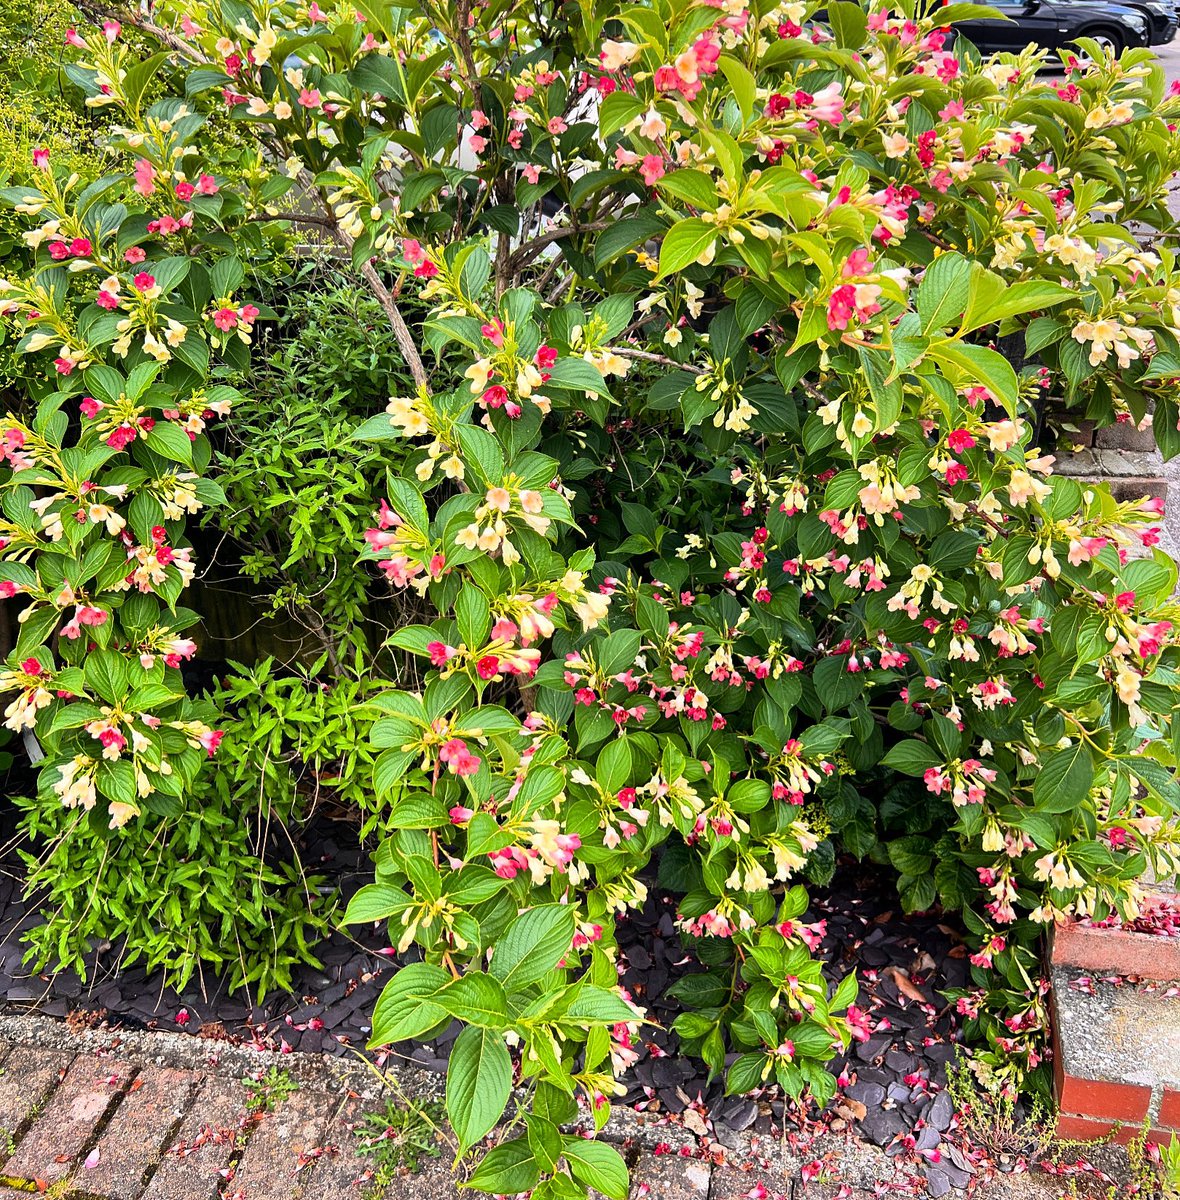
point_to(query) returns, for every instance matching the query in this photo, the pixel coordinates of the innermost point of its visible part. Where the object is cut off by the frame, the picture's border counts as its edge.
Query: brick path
(90, 1125)
(112, 1115)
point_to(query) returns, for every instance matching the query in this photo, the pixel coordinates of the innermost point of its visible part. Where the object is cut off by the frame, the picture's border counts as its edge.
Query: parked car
(1057, 24)
(1163, 20)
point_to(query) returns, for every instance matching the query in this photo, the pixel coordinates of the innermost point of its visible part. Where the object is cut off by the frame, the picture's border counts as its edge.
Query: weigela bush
(734, 542)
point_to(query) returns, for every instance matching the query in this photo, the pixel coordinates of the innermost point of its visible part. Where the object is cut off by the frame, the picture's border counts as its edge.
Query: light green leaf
(598, 1166)
(684, 244)
(742, 83)
(405, 1008)
(479, 1082)
(533, 945)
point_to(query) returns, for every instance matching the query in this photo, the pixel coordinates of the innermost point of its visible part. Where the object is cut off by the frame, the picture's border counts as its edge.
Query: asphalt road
(1169, 56)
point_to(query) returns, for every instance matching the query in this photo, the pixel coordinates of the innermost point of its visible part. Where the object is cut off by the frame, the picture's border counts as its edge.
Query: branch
(401, 330)
(171, 40)
(529, 250)
(297, 218)
(647, 356)
(469, 70)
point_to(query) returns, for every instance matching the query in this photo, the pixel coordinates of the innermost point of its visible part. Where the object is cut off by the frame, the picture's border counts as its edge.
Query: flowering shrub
(720, 504)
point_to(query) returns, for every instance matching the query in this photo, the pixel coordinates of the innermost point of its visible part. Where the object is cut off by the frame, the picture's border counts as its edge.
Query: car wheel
(1107, 39)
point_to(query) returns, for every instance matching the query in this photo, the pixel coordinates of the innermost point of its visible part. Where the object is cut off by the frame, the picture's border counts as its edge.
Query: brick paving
(100, 1126)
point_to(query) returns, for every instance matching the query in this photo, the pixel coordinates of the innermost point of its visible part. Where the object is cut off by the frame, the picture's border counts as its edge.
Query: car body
(1057, 24)
(1163, 19)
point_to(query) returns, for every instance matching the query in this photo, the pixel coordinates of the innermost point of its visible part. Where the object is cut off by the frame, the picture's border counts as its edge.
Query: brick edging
(1113, 951)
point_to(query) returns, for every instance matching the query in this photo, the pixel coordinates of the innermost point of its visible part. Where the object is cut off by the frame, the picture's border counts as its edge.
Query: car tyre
(1107, 38)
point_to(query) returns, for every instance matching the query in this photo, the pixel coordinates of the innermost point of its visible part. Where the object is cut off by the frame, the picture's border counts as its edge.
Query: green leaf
(533, 945)
(1018, 298)
(1064, 780)
(980, 366)
(944, 291)
(171, 442)
(578, 375)
(600, 1004)
(106, 675)
(849, 23)
(473, 615)
(405, 1008)
(693, 186)
(618, 109)
(374, 903)
(377, 429)
(482, 452)
(479, 1082)
(476, 999)
(598, 1166)
(742, 84)
(911, 758)
(378, 73)
(507, 1170)
(684, 244)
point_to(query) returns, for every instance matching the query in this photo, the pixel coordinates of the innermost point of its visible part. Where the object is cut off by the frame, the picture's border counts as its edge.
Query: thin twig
(647, 356)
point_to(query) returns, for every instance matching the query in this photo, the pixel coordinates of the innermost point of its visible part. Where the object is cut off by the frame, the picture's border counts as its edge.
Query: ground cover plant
(707, 518)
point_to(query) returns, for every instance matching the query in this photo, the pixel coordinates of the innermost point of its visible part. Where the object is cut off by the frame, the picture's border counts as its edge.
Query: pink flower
(440, 653)
(666, 79)
(134, 255)
(74, 38)
(64, 366)
(106, 300)
(651, 169)
(412, 251)
(545, 357)
(90, 407)
(185, 190)
(426, 270)
(459, 760)
(143, 281)
(828, 105)
(111, 30)
(41, 158)
(841, 306)
(959, 440)
(556, 125)
(211, 740)
(460, 815)
(145, 177)
(225, 318)
(532, 172)
(310, 98)
(477, 144)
